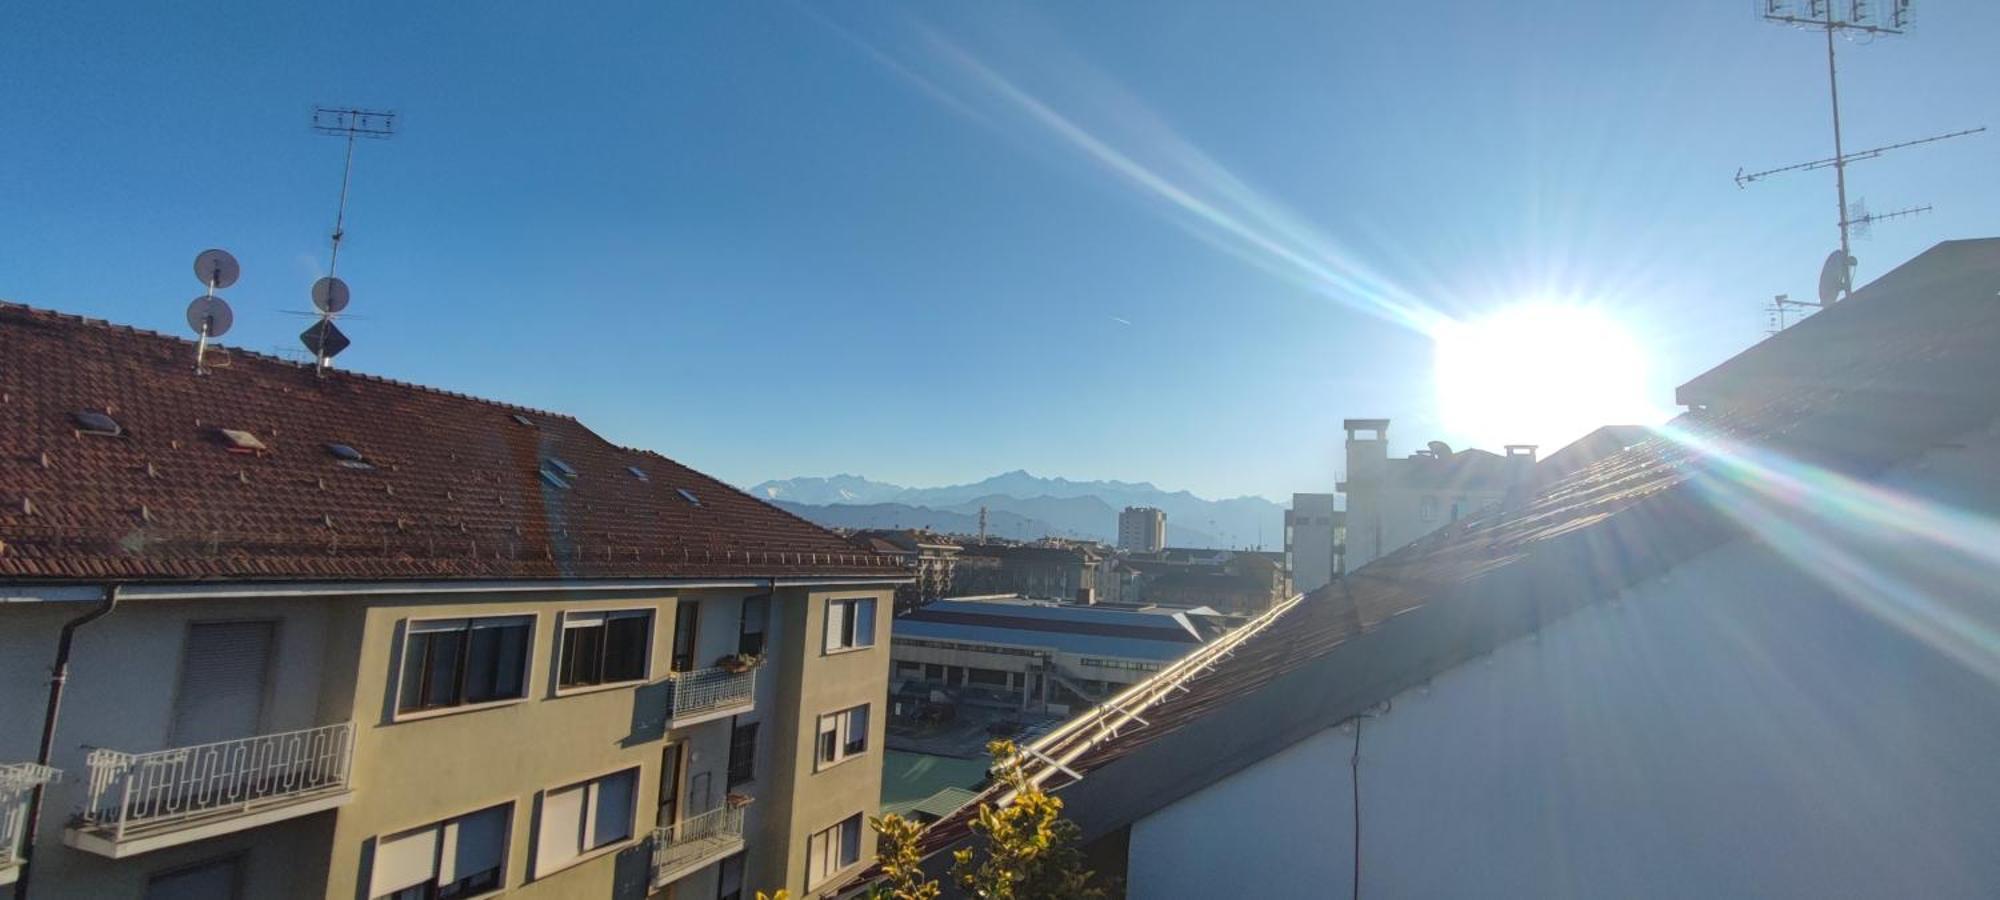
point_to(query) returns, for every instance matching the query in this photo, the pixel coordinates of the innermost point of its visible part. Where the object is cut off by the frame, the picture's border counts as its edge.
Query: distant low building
(1241, 582)
(931, 557)
(1314, 534)
(1013, 653)
(1142, 529)
(1066, 572)
(1391, 502)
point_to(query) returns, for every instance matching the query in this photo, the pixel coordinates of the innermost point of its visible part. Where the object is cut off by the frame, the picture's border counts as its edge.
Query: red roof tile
(456, 488)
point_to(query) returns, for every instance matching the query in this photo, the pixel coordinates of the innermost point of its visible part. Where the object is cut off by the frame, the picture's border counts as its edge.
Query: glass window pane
(612, 815)
(510, 662)
(441, 671)
(411, 695)
(582, 656)
(864, 623)
(625, 648)
(857, 731)
(850, 842)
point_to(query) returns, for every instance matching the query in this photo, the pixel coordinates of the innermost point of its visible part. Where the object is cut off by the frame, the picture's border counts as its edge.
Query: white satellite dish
(1833, 277)
(216, 268)
(330, 295)
(210, 316)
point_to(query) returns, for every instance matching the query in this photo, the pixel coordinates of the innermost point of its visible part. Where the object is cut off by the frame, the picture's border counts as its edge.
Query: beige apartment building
(1391, 502)
(346, 637)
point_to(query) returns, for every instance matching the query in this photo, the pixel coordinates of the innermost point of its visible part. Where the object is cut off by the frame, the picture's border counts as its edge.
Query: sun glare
(1539, 373)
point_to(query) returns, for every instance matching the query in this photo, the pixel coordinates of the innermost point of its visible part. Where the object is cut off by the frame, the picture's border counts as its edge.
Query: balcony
(17, 782)
(706, 694)
(140, 802)
(683, 848)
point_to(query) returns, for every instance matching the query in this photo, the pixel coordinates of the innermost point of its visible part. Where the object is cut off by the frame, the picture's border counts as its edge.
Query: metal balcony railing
(131, 791)
(705, 691)
(17, 782)
(695, 841)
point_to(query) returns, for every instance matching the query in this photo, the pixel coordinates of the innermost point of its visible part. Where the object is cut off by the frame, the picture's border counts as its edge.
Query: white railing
(706, 690)
(133, 790)
(17, 782)
(695, 839)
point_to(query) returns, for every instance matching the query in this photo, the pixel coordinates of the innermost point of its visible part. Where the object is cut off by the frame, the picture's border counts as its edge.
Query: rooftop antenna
(1783, 307)
(982, 524)
(1850, 18)
(330, 294)
(209, 315)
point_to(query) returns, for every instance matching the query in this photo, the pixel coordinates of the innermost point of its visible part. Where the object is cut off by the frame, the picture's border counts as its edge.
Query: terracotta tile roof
(1905, 363)
(455, 487)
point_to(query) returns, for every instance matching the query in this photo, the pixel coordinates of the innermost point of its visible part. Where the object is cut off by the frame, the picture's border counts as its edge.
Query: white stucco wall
(1763, 722)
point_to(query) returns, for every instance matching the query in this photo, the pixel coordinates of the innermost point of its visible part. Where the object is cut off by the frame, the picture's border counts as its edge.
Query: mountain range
(1023, 506)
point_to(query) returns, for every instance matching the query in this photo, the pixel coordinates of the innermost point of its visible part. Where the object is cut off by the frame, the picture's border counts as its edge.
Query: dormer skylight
(524, 420)
(557, 473)
(89, 421)
(561, 467)
(236, 441)
(638, 473)
(689, 496)
(348, 456)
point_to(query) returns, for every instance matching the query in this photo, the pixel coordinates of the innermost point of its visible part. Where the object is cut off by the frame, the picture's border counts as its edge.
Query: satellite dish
(216, 268)
(1440, 449)
(211, 316)
(324, 340)
(1833, 275)
(330, 295)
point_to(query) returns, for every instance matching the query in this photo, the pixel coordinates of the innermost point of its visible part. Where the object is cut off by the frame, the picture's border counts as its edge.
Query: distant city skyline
(930, 244)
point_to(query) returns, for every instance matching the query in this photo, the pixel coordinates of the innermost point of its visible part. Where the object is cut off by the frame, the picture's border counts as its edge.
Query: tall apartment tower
(339, 636)
(1142, 529)
(1314, 533)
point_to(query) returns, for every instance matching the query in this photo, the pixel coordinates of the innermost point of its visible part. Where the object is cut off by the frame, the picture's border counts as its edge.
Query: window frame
(749, 775)
(843, 736)
(506, 847)
(849, 640)
(410, 631)
(586, 813)
(604, 617)
(831, 833)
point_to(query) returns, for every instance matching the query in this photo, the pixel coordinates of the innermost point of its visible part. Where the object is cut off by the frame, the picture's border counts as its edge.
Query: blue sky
(933, 241)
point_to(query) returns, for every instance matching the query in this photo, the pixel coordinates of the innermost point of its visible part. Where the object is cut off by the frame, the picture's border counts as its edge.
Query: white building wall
(1745, 727)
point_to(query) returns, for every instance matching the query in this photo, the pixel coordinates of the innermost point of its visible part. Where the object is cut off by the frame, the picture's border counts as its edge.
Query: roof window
(561, 467)
(553, 478)
(524, 420)
(90, 421)
(638, 473)
(240, 441)
(689, 496)
(348, 456)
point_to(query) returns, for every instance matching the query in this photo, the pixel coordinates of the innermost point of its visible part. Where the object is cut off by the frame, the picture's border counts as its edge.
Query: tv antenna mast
(1869, 18)
(330, 294)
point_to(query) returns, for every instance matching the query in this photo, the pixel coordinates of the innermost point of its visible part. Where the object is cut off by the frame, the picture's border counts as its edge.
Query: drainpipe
(58, 675)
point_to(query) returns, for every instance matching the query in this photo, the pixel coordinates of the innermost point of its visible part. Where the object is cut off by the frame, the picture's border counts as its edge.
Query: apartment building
(1052, 572)
(1391, 502)
(347, 637)
(1315, 532)
(1142, 529)
(931, 557)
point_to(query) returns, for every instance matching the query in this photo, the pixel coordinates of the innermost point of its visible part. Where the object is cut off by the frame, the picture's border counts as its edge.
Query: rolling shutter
(223, 671)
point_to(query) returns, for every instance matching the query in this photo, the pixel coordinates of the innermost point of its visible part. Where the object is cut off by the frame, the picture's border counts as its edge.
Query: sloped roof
(456, 487)
(1910, 360)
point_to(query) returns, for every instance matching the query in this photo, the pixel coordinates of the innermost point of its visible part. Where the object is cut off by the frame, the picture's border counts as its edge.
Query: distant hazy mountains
(1026, 507)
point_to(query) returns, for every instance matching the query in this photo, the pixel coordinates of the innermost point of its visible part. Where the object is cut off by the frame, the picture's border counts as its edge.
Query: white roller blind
(473, 844)
(223, 666)
(402, 861)
(559, 838)
(437, 625)
(582, 619)
(214, 881)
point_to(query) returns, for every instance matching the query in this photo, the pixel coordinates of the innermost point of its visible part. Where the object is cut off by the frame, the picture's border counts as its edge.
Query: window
(460, 857)
(603, 647)
(457, 662)
(750, 639)
(584, 817)
(850, 623)
(729, 879)
(216, 879)
(687, 619)
(1427, 509)
(842, 735)
(743, 754)
(93, 422)
(832, 850)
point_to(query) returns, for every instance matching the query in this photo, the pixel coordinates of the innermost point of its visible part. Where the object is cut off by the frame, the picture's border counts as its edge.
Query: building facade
(931, 558)
(1142, 529)
(1315, 531)
(1051, 572)
(1391, 502)
(318, 651)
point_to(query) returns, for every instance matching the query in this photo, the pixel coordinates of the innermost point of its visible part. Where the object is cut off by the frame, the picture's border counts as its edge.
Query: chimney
(1520, 462)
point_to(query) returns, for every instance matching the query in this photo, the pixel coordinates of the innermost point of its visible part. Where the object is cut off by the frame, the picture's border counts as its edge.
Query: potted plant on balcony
(739, 662)
(737, 800)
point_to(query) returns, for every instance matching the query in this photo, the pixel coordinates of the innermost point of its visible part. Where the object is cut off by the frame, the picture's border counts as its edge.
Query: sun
(1539, 373)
